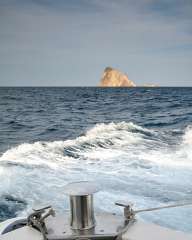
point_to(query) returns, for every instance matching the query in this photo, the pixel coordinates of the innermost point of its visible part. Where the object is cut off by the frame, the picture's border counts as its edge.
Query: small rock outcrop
(114, 78)
(150, 85)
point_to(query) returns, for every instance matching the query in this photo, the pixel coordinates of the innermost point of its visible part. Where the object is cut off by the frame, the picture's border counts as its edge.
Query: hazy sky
(70, 42)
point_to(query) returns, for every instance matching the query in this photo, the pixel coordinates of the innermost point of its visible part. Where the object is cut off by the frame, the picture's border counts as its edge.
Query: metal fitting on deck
(81, 204)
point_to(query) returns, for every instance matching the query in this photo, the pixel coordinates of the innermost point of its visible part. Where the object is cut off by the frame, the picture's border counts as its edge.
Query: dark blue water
(136, 142)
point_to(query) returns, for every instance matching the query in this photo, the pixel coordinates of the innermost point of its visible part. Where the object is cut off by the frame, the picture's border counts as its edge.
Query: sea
(135, 143)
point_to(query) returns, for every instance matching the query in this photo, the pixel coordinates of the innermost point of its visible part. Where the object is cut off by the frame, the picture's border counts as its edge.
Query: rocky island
(114, 78)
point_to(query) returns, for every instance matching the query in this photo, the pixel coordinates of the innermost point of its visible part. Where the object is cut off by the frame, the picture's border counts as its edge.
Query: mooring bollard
(81, 204)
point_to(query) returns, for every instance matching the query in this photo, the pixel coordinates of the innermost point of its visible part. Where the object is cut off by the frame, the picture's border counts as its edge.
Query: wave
(108, 139)
(119, 138)
(102, 135)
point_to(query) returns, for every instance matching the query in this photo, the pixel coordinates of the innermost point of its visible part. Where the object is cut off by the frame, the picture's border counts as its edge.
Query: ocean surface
(135, 143)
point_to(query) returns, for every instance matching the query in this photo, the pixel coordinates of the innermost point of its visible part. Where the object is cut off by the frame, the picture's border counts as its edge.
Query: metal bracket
(128, 211)
(36, 219)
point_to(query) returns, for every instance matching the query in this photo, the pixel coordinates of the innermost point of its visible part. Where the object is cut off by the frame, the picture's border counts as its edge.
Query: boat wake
(146, 166)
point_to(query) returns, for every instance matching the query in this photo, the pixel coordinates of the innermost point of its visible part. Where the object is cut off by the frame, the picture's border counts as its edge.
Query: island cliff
(114, 78)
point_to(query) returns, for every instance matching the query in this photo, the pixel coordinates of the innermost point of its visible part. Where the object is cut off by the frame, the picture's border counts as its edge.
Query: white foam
(108, 128)
(48, 153)
(187, 138)
(107, 141)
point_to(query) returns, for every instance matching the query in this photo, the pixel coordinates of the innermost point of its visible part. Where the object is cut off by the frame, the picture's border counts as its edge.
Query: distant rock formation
(114, 78)
(150, 85)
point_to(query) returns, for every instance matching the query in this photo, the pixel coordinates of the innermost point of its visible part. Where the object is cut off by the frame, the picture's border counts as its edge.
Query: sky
(70, 42)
